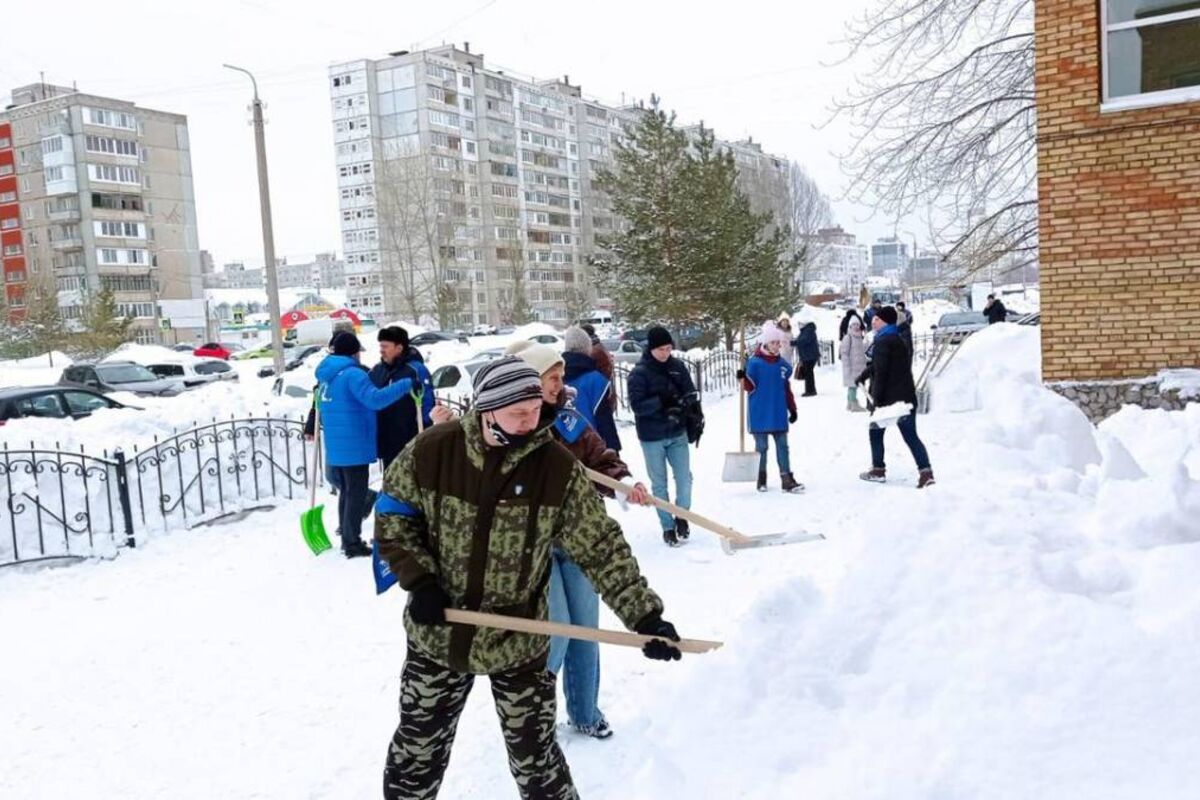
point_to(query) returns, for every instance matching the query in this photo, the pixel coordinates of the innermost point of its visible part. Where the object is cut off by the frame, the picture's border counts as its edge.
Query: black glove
(655, 625)
(870, 406)
(741, 374)
(427, 602)
(792, 415)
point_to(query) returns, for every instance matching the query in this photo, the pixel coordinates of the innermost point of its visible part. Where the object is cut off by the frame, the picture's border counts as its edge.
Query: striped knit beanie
(504, 382)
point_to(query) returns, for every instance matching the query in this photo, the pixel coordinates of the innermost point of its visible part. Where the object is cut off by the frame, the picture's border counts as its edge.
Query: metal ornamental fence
(74, 504)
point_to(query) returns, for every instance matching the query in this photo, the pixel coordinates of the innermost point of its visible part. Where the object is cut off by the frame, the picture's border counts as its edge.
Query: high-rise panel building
(462, 183)
(889, 257)
(838, 260)
(97, 193)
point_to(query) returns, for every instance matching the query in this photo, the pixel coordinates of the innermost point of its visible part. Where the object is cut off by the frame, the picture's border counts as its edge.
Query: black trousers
(352, 501)
(808, 371)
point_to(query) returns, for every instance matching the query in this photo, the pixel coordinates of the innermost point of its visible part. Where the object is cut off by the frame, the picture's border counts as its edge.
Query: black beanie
(658, 336)
(394, 334)
(888, 315)
(345, 343)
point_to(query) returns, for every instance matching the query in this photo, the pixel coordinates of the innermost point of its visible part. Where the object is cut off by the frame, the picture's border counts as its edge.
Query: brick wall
(1119, 206)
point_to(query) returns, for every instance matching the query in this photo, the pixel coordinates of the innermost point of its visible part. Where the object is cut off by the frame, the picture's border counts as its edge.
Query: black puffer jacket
(658, 393)
(891, 370)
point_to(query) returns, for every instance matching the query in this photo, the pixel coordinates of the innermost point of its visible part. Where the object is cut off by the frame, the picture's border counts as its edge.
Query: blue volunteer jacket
(348, 402)
(591, 395)
(770, 396)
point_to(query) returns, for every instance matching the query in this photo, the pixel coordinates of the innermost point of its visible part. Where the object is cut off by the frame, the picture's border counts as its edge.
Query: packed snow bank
(36, 371)
(146, 354)
(998, 371)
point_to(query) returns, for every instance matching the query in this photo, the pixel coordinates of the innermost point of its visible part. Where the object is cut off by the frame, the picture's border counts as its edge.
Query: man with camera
(666, 410)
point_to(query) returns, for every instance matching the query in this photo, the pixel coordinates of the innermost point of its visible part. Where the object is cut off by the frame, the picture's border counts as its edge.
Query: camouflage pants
(431, 699)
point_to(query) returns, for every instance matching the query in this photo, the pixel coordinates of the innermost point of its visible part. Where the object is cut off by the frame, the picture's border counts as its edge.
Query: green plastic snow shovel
(312, 521)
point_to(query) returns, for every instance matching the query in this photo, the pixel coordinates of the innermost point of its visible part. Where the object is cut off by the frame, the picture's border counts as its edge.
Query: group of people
(492, 510)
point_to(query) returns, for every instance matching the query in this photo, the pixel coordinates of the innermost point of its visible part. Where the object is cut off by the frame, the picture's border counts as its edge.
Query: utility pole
(264, 202)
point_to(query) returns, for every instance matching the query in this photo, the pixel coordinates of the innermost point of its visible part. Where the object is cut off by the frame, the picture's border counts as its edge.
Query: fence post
(700, 380)
(123, 497)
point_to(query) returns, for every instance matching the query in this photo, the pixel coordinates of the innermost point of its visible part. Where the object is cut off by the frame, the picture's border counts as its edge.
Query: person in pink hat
(772, 405)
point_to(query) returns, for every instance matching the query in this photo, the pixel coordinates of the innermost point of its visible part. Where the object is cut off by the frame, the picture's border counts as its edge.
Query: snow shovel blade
(770, 540)
(740, 468)
(312, 526)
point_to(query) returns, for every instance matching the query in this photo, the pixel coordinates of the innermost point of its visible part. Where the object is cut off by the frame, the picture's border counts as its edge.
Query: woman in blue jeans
(572, 597)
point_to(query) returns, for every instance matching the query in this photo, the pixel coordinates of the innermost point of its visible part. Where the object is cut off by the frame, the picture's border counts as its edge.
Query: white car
(552, 339)
(453, 381)
(193, 371)
(484, 329)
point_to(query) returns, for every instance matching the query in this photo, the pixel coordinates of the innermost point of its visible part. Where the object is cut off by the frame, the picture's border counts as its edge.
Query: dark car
(293, 359)
(119, 376)
(433, 337)
(54, 402)
(958, 325)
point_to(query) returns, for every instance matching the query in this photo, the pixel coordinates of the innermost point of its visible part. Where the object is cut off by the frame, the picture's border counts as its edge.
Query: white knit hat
(541, 357)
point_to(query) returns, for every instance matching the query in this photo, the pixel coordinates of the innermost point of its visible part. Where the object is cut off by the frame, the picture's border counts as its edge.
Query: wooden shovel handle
(522, 625)
(724, 531)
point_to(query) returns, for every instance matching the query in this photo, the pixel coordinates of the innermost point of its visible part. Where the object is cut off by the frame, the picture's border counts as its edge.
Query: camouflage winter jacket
(481, 520)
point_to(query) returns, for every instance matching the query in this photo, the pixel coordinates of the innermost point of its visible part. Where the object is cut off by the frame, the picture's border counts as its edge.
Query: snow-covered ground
(1029, 627)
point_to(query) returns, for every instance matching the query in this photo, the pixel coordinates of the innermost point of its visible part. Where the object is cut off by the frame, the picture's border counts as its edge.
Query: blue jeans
(573, 600)
(908, 429)
(658, 455)
(761, 442)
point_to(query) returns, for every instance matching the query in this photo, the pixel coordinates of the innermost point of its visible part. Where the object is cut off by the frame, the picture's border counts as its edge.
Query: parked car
(293, 359)
(626, 351)
(194, 371)
(505, 330)
(552, 339)
(638, 335)
(55, 402)
(453, 381)
(490, 354)
(434, 337)
(958, 325)
(119, 376)
(183, 347)
(222, 350)
(263, 351)
(484, 329)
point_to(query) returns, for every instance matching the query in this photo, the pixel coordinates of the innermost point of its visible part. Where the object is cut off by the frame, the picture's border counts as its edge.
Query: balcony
(64, 215)
(74, 243)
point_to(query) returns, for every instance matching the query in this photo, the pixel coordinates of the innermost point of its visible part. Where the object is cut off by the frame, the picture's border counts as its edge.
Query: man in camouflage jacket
(467, 517)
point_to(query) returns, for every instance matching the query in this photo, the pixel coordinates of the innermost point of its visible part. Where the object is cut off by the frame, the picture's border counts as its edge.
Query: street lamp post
(264, 202)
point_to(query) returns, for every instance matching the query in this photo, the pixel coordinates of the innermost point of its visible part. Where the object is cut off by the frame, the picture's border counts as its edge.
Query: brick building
(1118, 102)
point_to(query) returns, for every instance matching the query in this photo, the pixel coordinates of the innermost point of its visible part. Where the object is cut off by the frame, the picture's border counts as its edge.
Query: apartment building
(838, 259)
(889, 257)
(325, 270)
(96, 192)
(459, 179)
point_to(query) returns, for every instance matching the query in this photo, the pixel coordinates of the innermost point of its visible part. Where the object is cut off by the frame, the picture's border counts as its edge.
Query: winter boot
(600, 730)
(670, 538)
(762, 482)
(789, 484)
(682, 529)
(356, 549)
(874, 475)
(857, 409)
(925, 478)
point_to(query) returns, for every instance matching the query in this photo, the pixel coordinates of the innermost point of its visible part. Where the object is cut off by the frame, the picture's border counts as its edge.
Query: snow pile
(146, 354)
(35, 371)
(1184, 381)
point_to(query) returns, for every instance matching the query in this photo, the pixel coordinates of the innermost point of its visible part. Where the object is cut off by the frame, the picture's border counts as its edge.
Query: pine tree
(644, 265)
(746, 276)
(41, 328)
(691, 249)
(104, 329)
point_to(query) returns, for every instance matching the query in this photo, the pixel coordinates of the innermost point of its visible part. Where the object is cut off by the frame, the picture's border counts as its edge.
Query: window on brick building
(1150, 52)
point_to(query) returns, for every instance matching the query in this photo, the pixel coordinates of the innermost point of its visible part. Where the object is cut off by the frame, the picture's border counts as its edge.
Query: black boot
(670, 538)
(790, 484)
(762, 482)
(356, 549)
(682, 529)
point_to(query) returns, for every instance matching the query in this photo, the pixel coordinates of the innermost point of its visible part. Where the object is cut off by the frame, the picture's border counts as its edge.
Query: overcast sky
(746, 68)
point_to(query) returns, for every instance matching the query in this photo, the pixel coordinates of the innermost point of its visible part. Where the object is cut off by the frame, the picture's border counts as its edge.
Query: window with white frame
(124, 230)
(1150, 51)
(110, 119)
(113, 174)
(108, 144)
